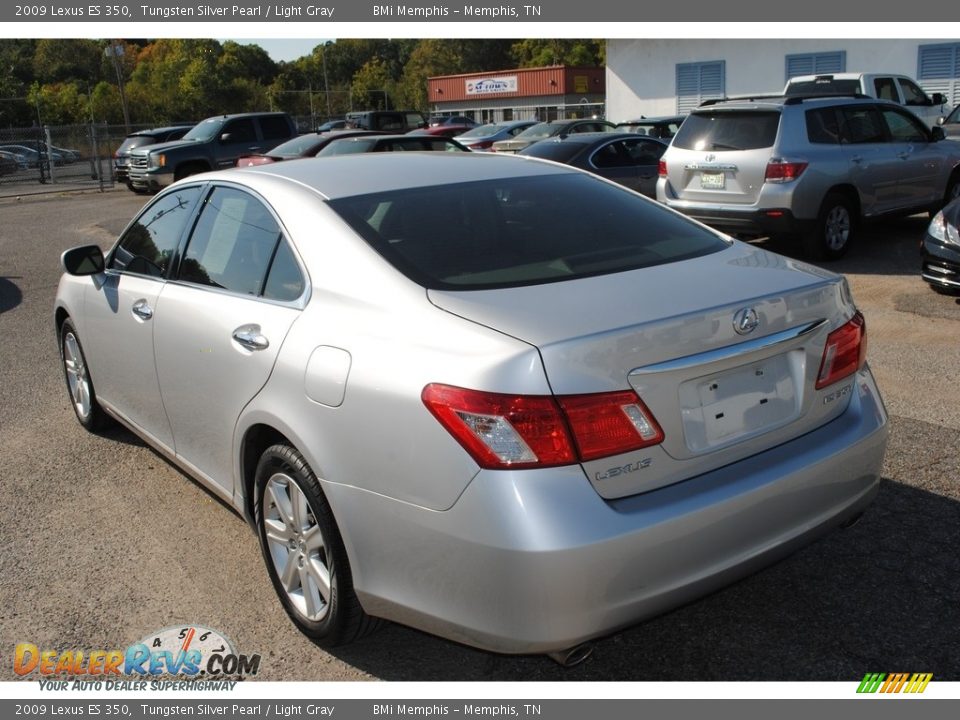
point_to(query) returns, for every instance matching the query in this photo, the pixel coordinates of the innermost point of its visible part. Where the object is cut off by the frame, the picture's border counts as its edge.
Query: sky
(285, 49)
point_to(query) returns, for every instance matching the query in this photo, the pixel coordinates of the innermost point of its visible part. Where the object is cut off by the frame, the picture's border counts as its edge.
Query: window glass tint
(861, 125)
(612, 155)
(148, 245)
(549, 150)
(886, 89)
(644, 152)
(954, 116)
(902, 127)
(274, 127)
(285, 281)
(480, 131)
(520, 231)
(912, 95)
(728, 130)
(240, 131)
(232, 244)
(346, 146)
(297, 146)
(822, 126)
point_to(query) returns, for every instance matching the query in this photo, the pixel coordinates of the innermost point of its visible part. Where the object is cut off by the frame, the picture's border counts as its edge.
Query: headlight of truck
(158, 161)
(943, 230)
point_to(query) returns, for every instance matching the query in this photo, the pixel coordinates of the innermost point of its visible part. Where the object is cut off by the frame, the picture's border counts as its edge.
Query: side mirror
(226, 137)
(85, 260)
(941, 120)
(938, 134)
(938, 99)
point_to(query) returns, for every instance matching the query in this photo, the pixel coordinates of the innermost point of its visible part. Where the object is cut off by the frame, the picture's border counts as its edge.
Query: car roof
(342, 176)
(776, 102)
(592, 137)
(652, 120)
(159, 130)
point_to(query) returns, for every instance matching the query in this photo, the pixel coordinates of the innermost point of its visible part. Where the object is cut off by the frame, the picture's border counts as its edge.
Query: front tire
(834, 231)
(83, 396)
(304, 552)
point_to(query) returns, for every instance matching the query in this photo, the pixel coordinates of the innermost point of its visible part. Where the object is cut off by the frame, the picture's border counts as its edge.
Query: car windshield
(206, 130)
(728, 130)
(541, 130)
(297, 146)
(954, 116)
(481, 131)
(520, 231)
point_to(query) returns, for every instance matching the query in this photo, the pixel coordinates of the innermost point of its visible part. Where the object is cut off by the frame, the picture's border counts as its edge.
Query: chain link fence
(56, 158)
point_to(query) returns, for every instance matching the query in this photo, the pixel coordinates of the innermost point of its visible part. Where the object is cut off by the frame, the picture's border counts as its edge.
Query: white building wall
(642, 75)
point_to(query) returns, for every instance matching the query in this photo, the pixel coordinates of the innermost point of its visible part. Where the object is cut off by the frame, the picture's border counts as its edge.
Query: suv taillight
(782, 171)
(522, 431)
(662, 168)
(845, 352)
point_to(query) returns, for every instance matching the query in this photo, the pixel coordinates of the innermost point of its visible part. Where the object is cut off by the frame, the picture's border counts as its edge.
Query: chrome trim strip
(731, 351)
(940, 280)
(710, 166)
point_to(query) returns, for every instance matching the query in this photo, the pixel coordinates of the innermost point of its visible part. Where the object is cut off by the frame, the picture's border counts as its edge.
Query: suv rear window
(520, 231)
(728, 130)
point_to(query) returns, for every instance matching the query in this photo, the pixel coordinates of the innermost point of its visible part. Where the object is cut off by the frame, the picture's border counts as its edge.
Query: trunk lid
(668, 332)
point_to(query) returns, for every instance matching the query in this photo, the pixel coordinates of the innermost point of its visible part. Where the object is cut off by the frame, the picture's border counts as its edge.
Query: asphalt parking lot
(103, 542)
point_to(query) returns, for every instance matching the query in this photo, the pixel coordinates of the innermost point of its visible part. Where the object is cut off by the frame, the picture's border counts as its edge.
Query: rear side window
(232, 244)
(520, 231)
(148, 245)
(728, 130)
(860, 125)
(886, 89)
(241, 130)
(274, 127)
(822, 126)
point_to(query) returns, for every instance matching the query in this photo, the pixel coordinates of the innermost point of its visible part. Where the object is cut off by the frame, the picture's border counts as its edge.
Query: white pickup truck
(896, 88)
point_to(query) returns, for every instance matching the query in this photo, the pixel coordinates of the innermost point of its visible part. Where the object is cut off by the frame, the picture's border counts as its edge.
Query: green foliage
(172, 80)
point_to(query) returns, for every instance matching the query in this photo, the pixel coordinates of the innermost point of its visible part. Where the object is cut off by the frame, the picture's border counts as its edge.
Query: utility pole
(115, 50)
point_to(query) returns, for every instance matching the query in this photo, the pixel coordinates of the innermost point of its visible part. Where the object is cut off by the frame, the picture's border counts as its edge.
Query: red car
(299, 147)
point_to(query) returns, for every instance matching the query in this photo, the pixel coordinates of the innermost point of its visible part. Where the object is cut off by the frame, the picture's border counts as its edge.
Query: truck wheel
(188, 170)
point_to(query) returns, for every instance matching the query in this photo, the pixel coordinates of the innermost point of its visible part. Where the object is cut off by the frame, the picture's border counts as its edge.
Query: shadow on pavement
(10, 295)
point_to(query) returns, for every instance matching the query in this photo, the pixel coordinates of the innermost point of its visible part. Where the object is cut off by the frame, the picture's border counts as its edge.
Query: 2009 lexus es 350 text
(497, 399)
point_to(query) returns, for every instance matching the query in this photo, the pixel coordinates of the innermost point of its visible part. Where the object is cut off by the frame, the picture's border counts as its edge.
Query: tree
(372, 86)
(68, 60)
(545, 52)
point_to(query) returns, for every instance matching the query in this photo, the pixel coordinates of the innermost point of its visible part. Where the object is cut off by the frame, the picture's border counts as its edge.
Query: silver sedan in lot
(501, 400)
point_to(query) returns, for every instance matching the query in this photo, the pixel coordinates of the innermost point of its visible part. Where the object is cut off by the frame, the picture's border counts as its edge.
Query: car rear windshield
(549, 150)
(481, 131)
(521, 231)
(135, 141)
(541, 130)
(297, 146)
(728, 130)
(823, 87)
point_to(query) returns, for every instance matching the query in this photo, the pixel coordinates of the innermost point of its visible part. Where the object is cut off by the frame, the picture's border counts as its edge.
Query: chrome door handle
(142, 309)
(249, 337)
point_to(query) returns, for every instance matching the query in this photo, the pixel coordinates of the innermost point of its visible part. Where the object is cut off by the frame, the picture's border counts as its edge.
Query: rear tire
(304, 552)
(834, 230)
(188, 170)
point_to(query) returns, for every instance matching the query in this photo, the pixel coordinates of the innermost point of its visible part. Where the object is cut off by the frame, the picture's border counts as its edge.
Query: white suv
(806, 167)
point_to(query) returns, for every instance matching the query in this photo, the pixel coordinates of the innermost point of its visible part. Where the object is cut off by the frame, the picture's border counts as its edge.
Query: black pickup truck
(213, 144)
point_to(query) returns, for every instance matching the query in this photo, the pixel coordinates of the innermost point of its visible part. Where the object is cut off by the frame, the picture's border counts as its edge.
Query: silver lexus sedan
(500, 400)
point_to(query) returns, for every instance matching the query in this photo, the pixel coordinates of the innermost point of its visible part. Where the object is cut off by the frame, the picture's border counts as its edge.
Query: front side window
(148, 245)
(233, 243)
(913, 95)
(520, 231)
(903, 128)
(886, 89)
(239, 131)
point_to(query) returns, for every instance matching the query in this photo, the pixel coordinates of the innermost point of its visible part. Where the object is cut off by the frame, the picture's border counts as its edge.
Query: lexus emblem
(710, 158)
(745, 321)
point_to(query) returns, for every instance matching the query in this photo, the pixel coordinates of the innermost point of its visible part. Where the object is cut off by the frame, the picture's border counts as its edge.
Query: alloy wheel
(836, 229)
(78, 380)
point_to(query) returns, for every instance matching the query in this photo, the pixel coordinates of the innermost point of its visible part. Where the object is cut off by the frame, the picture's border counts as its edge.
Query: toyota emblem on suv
(745, 321)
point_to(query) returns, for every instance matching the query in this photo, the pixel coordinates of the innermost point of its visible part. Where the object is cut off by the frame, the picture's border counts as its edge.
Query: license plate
(712, 180)
(746, 401)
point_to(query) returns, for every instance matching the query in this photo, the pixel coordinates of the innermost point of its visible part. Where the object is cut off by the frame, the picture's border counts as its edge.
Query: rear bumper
(772, 221)
(534, 561)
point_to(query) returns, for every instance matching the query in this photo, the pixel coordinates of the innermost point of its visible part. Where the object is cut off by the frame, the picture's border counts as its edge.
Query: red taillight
(483, 144)
(781, 171)
(845, 352)
(662, 168)
(520, 431)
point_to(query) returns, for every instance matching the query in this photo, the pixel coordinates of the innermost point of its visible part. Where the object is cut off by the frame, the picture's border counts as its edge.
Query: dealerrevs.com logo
(190, 653)
(911, 683)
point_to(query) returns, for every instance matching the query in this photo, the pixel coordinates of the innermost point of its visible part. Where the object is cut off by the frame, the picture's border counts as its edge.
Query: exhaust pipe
(572, 657)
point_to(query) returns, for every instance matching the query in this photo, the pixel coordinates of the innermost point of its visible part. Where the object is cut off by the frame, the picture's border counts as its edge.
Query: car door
(921, 161)
(872, 160)
(120, 314)
(238, 137)
(220, 323)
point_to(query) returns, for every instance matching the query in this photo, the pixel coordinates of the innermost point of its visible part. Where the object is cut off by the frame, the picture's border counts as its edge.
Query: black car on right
(940, 250)
(626, 158)
(140, 138)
